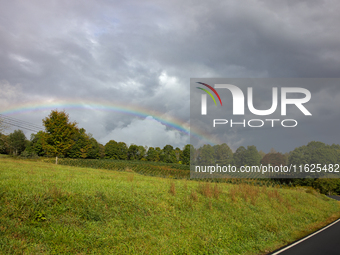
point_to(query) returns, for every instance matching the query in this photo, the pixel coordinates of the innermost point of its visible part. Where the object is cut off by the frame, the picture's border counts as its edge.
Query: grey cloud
(118, 51)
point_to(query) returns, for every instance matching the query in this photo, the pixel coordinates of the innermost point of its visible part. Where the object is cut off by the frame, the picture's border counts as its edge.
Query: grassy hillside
(52, 209)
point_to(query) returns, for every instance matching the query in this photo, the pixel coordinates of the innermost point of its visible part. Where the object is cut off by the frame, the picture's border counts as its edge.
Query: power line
(16, 125)
(21, 122)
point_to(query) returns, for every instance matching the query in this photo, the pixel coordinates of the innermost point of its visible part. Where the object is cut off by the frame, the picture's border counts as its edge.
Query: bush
(327, 186)
(26, 154)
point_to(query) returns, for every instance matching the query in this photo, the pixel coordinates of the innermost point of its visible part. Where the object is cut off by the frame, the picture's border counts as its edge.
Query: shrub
(327, 186)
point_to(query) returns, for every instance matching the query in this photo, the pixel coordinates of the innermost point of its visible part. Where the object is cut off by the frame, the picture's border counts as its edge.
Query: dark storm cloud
(144, 53)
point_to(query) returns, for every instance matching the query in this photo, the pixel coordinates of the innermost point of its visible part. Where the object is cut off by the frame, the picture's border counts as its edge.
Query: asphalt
(325, 242)
(335, 197)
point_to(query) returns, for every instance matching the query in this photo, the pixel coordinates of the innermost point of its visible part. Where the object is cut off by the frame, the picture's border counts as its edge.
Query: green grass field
(50, 209)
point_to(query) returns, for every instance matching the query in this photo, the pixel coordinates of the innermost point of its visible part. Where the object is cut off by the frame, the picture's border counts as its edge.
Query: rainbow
(101, 105)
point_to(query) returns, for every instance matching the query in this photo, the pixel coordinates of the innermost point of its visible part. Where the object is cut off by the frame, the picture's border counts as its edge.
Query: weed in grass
(101, 195)
(130, 177)
(274, 194)
(185, 185)
(91, 215)
(55, 192)
(232, 194)
(127, 169)
(2, 194)
(210, 205)
(193, 196)
(288, 205)
(172, 189)
(205, 189)
(187, 202)
(253, 199)
(39, 217)
(217, 191)
(245, 191)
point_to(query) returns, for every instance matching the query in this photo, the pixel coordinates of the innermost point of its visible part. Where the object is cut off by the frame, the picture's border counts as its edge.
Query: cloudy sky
(137, 55)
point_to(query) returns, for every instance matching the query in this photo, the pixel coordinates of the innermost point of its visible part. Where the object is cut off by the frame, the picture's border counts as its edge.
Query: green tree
(94, 150)
(185, 156)
(314, 153)
(324, 155)
(327, 186)
(36, 143)
(153, 155)
(17, 142)
(35, 147)
(4, 146)
(298, 156)
(111, 150)
(81, 146)
(178, 153)
(239, 156)
(194, 155)
(141, 154)
(206, 155)
(168, 154)
(223, 154)
(122, 151)
(252, 156)
(133, 152)
(59, 135)
(101, 150)
(336, 149)
(159, 152)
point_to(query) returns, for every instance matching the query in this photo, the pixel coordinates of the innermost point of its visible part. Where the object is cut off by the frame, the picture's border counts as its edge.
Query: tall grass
(52, 209)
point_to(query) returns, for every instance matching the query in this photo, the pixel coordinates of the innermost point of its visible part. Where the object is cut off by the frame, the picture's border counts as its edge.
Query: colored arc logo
(209, 92)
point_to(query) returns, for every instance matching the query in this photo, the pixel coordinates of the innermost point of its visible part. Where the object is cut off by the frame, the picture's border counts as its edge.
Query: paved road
(335, 197)
(325, 242)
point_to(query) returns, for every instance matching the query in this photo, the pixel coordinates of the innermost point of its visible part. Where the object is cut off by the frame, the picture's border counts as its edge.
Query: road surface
(325, 241)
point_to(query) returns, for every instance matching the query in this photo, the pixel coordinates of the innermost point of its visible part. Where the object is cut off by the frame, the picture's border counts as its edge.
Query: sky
(122, 69)
(278, 113)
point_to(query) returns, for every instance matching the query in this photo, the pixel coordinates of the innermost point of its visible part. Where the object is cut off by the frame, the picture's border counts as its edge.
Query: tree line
(312, 153)
(63, 138)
